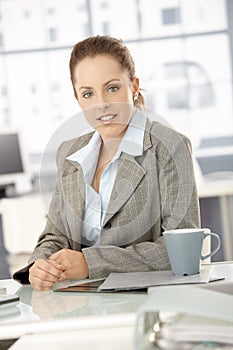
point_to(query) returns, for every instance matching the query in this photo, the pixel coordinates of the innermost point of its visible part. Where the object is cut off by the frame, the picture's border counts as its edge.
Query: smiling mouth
(107, 119)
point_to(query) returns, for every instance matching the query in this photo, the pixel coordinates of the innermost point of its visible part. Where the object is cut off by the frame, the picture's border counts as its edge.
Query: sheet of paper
(136, 280)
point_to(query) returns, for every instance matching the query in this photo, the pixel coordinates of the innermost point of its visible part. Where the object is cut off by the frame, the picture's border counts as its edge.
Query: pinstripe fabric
(152, 193)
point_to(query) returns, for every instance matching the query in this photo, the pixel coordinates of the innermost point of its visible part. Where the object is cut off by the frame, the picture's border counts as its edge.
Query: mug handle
(203, 257)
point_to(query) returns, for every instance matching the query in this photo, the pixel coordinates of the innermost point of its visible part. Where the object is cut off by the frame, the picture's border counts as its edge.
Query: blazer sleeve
(179, 209)
(55, 235)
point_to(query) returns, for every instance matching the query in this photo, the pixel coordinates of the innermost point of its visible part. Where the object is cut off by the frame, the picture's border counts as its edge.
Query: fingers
(73, 264)
(44, 273)
(40, 285)
(57, 256)
(55, 266)
(61, 256)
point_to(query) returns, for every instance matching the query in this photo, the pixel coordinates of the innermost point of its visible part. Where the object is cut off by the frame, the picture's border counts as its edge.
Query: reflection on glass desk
(49, 312)
(35, 305)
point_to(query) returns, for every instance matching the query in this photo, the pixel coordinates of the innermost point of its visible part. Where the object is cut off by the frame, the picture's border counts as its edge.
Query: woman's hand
(44, 274)
(73, 264)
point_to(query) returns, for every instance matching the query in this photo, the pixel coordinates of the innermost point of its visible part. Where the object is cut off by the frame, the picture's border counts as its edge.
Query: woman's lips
(107, 119)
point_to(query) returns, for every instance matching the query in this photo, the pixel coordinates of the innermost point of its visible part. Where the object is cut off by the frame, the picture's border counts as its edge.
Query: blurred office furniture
(216, 212)
(14, 169)
(15, 180)
(23, 219)
(215, 185)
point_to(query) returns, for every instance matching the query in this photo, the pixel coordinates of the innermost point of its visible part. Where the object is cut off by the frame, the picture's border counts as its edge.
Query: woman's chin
(112, 131)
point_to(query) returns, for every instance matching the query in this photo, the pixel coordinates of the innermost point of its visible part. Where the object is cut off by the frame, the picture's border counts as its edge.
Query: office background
(183, 51)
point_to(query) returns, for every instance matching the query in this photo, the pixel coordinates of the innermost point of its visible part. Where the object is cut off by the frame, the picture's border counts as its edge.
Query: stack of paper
(198, 314)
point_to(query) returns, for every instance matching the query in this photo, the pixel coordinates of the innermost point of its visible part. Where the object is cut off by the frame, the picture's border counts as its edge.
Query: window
(182, 54)
(187, 85)
(171, 16)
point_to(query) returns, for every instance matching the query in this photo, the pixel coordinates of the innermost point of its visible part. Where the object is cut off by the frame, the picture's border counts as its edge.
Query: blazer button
(108, 225)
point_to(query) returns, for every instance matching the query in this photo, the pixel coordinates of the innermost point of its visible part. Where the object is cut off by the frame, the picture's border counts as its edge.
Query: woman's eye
(113, 88)
(87, 94)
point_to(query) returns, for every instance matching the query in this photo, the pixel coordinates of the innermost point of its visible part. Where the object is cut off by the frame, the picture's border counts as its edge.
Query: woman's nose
(103, 107)
(102, 103)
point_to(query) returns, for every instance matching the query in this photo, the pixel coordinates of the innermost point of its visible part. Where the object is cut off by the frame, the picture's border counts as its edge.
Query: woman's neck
(110, 147)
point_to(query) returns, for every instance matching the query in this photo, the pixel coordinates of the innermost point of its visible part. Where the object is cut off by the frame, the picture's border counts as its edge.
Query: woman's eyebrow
(89, 87)
(110, 81)
(85, 87)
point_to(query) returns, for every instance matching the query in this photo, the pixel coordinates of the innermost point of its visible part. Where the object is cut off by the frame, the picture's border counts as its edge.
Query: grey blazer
(152, 193)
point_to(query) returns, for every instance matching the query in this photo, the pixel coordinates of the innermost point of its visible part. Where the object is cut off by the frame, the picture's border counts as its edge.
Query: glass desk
(68, 313)
(46, 313)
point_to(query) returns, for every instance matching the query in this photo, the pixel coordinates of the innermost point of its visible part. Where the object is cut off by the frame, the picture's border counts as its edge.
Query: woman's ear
(135, 85)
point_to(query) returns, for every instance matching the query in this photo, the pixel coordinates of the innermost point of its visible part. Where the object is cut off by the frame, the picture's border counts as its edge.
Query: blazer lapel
(130, 173)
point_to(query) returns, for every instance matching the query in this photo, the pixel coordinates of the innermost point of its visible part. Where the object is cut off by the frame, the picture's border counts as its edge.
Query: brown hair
(99, 45)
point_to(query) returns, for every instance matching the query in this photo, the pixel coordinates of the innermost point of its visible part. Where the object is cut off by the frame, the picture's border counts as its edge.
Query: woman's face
(105, 94)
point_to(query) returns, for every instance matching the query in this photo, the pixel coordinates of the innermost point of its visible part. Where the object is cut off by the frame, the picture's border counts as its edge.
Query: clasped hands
(60, 266)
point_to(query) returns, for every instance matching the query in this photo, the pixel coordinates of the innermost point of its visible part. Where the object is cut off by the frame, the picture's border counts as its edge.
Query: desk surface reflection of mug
(184, 247)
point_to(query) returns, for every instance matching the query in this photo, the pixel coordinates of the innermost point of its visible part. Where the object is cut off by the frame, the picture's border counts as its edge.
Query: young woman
(119, 187)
